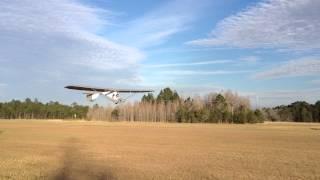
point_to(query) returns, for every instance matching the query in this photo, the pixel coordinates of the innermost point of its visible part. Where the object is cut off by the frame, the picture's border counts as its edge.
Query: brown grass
(101, 150)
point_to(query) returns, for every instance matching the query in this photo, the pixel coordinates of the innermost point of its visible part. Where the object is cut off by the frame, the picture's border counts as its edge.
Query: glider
(92, 93)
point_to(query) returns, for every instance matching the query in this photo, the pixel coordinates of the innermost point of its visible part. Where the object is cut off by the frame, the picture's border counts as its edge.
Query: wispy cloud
(288, 24)
(191, 72)
(315, 81)
(158, 25)
(59, 33)
(250, 59)
(300, 67)
(247, 61)
(282, 97)
(198, 90)
(56, 41)
(187, 64)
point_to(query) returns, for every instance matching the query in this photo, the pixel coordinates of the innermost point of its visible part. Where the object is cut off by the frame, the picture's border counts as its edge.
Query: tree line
(168, 106)
(299, 111)
(33, 109)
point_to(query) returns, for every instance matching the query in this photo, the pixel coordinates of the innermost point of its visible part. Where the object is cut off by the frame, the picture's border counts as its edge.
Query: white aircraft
(113, 95)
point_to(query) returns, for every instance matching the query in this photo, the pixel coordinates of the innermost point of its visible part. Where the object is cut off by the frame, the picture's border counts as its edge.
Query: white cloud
(284, 24)
(48, 44)
(157, 26)
(59, 30)
(300, 67)
(188, 64)
(250, 59)
(191, 72)
(315, 81)
(198, 90)
(282, 97)
(247, 61)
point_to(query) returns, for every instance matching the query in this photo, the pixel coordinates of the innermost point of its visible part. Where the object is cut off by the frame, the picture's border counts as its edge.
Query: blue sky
(267, 50)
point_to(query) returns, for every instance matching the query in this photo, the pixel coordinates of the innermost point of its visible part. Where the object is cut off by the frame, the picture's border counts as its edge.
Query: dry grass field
(102, 150)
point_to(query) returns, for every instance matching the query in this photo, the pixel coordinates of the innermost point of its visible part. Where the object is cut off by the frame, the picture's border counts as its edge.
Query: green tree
(148, 98)
(29, 109)
(167, 95)
(115, 114)
(259, 116)
(301, 111)
(316, 112)
(218, 112)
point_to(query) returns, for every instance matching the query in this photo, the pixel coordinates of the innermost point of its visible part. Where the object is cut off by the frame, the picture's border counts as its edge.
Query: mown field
(102, 150)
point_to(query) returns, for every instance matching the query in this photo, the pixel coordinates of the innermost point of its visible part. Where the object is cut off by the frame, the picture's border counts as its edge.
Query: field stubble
(102, 150)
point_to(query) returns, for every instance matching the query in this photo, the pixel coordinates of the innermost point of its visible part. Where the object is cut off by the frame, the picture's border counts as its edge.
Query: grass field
(101, 150)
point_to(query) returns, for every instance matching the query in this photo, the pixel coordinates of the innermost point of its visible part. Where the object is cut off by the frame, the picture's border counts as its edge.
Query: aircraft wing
(94, 89)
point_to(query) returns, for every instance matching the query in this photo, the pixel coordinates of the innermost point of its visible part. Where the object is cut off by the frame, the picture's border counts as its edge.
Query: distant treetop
(167, 95)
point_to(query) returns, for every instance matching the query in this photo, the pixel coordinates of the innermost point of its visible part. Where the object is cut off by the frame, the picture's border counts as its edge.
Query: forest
(167, 106)
(299, 111)
(29, 109)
